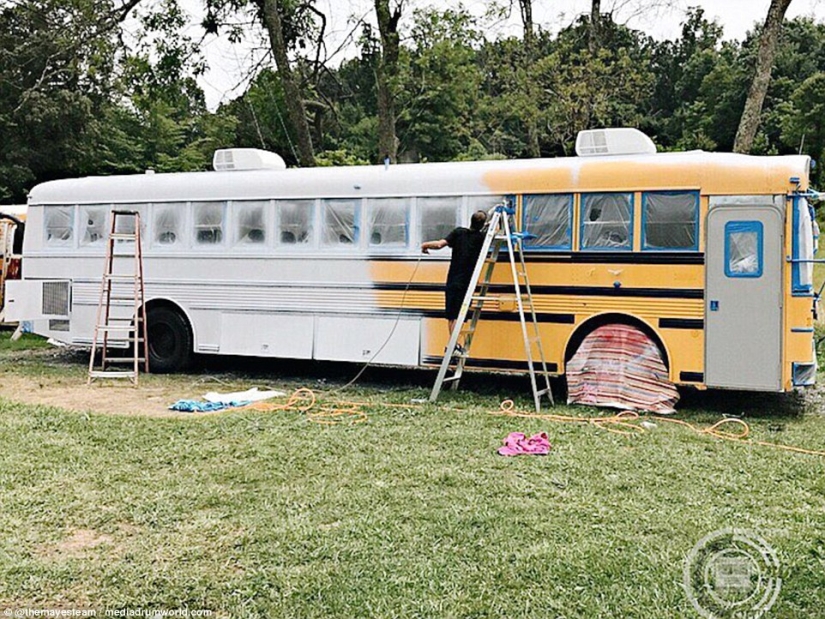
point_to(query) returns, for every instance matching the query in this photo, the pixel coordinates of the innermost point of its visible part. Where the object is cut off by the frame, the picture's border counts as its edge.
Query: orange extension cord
(304, 400)
(625, 423)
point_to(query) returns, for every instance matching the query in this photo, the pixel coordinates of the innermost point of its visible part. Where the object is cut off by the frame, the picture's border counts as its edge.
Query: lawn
(411, 514)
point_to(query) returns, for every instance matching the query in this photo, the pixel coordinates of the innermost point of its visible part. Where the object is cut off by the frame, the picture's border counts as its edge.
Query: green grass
(27, 341)
(413, 514)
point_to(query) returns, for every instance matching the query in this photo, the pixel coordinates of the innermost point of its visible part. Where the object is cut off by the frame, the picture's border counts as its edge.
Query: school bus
(12, 226)
(708, 254)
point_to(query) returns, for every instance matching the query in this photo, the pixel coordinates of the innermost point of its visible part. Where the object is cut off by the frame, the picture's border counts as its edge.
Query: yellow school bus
(708, 254)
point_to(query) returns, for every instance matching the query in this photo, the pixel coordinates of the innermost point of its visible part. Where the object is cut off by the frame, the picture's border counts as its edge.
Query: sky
(229, 64)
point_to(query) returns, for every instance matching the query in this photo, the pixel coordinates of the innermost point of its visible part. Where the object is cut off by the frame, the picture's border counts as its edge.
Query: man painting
(466, 245)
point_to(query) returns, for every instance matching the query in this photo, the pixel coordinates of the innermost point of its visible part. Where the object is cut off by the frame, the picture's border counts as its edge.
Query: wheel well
(158, 303)
(587, 327)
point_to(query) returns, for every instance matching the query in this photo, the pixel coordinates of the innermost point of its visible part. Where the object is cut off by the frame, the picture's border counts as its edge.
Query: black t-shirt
(466, 245)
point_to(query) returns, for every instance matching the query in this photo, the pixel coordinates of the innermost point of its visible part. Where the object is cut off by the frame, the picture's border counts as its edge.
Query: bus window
(209, 217)
(250, 223)
(743, 249)
(607, 221)
(295, 221)
(93, 224)
(168, 222)
(803, 248)
(340, 222)
(59, 225)
(548, 221)
(483, 203)
(438, 217)
(670, 220)
(387, 223)
(126, 225)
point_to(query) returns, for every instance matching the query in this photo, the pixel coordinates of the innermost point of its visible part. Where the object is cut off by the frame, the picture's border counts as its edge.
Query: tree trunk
(749, 122)
(593, 41)
(526, 7)
(296, 110)
(386, 77)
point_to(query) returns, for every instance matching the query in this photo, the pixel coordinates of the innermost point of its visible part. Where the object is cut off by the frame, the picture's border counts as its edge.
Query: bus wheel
(618, 365)
(170, 341)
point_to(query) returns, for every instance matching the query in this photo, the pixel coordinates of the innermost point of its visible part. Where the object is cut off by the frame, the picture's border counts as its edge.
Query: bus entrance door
(743, 296)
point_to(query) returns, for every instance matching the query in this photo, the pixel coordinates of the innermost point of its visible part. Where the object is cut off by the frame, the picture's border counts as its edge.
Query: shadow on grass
(329, 374)
(747, 404)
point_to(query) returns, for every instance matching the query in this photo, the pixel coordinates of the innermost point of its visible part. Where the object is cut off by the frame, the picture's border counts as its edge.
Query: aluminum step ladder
(499, 233)
(121, 318)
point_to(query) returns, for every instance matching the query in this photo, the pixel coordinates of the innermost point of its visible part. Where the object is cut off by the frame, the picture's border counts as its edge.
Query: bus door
(743, 295)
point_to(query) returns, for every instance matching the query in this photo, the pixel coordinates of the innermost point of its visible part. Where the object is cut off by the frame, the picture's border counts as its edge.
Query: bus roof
(712, 173)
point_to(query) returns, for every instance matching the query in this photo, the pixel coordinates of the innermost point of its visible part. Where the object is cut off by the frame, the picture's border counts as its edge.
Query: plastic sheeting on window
(438, 217)
(209, 222)
(804, 248)
(484, 203)
(547, 219)
(340, 222)
(606, 221)
(295, 221)
(167, 224)
(125, 224)
(618, 366)
(250, 223)
(93, 219)
(59, 225)
(388, 222)
(670, 220)
(743, 253)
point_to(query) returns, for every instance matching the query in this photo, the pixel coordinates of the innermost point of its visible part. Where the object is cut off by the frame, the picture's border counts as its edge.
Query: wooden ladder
(121, 316)
(499, 233)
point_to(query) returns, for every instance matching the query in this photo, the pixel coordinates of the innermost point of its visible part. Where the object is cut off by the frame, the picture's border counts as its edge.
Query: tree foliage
(77, 98)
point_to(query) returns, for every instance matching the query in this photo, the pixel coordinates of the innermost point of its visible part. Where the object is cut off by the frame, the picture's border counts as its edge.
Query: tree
(441, 86)
(527, 82)
(57, 66)
(294, 100)
(288, 24)
(595, 22)
(386, 76)
(749, 123)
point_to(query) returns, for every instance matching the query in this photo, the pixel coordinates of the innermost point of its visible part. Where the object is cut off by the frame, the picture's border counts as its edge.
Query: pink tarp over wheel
(619, 366)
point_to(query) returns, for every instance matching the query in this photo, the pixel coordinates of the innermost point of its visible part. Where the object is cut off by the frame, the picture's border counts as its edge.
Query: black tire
(170, 341)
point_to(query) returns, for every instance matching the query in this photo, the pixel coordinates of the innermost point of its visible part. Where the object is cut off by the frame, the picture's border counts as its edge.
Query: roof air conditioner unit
(227, 159)
(622, 141)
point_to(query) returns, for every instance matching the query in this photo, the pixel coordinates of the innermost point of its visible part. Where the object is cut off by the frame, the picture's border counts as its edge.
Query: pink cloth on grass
(516, 443)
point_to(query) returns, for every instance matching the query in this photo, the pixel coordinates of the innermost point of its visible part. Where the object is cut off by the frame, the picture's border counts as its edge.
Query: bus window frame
(368, 206)
(696, 218)
(233, 210)
(748, 226)
(63, 244)
(570, 214)
(358, 208)
(628, 247)
(798, 289)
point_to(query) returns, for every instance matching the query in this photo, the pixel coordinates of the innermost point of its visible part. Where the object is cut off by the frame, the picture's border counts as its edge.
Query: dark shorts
(453, 295)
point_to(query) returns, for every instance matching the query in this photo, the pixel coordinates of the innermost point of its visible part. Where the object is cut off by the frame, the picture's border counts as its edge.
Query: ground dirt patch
(56, 377)
(78, 544)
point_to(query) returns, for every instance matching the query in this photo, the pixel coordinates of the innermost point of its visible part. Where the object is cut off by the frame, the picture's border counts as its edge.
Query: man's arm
(426, 246)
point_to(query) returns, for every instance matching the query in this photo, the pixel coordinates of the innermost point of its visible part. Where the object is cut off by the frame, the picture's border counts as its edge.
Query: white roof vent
(227, 159)
(613, 142)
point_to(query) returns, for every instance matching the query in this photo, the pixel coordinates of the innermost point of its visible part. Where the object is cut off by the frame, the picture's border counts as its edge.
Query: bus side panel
(272, 335)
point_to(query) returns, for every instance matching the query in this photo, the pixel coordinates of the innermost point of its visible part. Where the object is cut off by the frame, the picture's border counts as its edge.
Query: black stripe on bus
(593, 257)
(691, 377)
(564, 319)
(495, 364)
(579, 291)
(681, 323)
